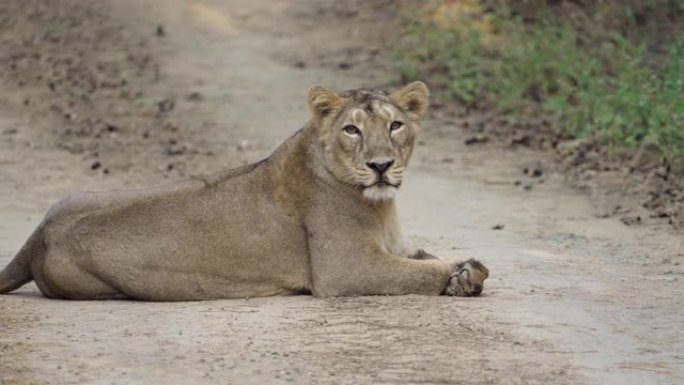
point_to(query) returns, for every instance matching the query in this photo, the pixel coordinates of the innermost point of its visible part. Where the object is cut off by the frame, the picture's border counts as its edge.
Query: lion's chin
(383, 192)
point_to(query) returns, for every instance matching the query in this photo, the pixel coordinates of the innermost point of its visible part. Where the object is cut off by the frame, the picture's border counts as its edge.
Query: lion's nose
(380, 168)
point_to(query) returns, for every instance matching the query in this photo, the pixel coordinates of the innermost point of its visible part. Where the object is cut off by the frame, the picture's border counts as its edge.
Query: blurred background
(598, 84)
(553, 151)
(609, 74)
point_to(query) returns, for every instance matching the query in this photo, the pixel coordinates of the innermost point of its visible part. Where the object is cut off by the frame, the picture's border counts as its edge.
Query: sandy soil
(575, 297)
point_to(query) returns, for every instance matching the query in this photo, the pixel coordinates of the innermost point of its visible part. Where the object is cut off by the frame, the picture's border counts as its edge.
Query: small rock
(175, 150)
(630, 220)
(195, 97)
(166, 105)
(661, 214)
(9, 131)
(521, 140)
(476, 139)
(300, 64)
(534, 170)
(572, 146)
(160, 32)
(171, 127)
(95, 165)
(344, 65)
(498, 226)
(243, 145)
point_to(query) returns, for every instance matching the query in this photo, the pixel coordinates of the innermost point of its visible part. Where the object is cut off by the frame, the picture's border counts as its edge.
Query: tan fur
(313, 217)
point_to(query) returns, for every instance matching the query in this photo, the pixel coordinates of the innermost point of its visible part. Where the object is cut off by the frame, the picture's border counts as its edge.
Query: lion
(317, 217)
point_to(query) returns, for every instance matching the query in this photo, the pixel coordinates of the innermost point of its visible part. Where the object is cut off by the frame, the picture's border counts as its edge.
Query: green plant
(590, 79)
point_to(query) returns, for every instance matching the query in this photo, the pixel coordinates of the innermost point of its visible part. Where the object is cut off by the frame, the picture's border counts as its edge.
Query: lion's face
(368, 136)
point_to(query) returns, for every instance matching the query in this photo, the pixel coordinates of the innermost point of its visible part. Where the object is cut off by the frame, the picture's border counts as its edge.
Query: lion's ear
(322, 101)
(413, 99)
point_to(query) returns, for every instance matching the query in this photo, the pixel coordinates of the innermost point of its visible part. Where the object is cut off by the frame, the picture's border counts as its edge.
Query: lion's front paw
(467, 279)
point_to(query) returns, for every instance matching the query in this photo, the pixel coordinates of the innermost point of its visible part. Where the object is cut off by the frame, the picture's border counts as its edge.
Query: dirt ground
(143, 92)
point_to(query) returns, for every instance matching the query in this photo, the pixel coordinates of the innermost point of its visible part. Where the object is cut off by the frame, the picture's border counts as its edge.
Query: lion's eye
(351, 130)
(395, 126)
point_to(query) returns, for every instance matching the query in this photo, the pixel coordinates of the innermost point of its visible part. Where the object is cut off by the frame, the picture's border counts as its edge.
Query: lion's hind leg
(59, 276)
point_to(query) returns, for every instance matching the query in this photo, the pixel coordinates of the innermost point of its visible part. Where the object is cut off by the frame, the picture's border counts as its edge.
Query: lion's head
(368, 136)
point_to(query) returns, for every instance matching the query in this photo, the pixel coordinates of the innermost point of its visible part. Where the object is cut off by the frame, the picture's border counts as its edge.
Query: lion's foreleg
(466, 277)
(336, 274)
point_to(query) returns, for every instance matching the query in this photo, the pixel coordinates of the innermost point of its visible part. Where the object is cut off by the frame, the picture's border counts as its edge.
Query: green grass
(601, 83)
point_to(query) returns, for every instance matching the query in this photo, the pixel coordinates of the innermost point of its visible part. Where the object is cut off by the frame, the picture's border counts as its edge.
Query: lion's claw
(467, 279)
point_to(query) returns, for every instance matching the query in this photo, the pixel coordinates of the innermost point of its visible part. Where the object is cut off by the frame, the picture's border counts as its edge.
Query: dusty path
(574, 298)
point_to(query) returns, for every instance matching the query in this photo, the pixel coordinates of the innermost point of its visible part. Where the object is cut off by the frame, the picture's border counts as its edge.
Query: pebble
(243, 145)
(476, 139)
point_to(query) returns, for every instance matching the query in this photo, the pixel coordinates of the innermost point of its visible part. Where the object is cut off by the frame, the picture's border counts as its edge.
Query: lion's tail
(18, 272)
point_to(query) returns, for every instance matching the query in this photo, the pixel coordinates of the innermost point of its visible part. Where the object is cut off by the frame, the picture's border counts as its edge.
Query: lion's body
(281, 226)
(222, 238)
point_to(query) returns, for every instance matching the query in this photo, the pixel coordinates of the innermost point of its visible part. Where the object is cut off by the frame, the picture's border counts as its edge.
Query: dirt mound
(626, 184)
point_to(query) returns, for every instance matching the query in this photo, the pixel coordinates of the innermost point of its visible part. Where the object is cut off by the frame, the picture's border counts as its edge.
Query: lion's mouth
(383, 183)
(380, 190)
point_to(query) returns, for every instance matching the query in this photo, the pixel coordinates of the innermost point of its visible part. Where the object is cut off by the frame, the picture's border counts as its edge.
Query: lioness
(317, 216)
